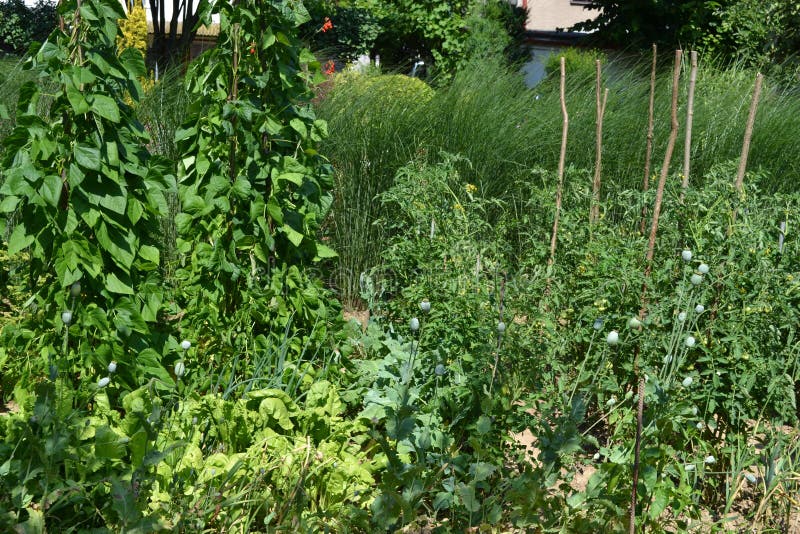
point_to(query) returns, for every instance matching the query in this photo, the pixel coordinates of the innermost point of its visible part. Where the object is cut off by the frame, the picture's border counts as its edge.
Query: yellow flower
(458, 207)
(470, 188)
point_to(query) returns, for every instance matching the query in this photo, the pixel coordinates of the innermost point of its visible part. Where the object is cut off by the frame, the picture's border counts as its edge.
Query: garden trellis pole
(651, 245)
(561, 159)
(748, 135)
(687, 147)
(594, 211)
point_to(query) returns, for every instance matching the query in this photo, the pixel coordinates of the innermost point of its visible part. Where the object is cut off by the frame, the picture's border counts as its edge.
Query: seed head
(633, 322)
(66, 317)
(186, 344)
(682, 316)
(696, 279)
(703, 268)
(180, 368)
(613, 338)
(440, 370)
(75, 289)
(699, 308)
(686, 255)
(611, 402)
(425, 306)
(112, 367)
(501, 327)
(414, 324)
(690, 341)
(103, 382)
(710, 460)
(598, 323)
(687, 382)
(689, 467)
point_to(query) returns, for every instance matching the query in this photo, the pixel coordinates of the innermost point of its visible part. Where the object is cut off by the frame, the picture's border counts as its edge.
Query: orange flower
(330, 68)
(327, 25)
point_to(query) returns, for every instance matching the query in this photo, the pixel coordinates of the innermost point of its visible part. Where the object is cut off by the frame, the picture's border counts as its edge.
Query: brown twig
(594, 211)
(748, 135)
(687, 147)
(649, 152)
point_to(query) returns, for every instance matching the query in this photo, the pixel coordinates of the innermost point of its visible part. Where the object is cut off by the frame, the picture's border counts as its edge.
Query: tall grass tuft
(505, 129)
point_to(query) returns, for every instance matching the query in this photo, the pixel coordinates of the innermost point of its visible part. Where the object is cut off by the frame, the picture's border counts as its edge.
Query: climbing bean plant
(252, 186)
(84, 196)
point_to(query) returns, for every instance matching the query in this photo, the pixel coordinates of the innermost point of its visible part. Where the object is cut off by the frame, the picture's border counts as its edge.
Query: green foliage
(21, 25)
(762, 34)
(85, 198)
(253, 187)
(633, 23)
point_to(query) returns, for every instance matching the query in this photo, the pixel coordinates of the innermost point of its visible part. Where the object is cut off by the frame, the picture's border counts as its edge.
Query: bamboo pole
(649, 153)
(651, 245)
(594, 211)
(561, 159)
(687, 147)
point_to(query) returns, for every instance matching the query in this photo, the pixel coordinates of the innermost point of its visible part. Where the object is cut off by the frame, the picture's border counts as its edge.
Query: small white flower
(696, 279)
(633, 322)
(682, 316)
(703, 268)
(75, 289)
(103, 382)
(112, 367)
(180, 368)
(690, 341)
(66, 317)
(425, 306)
(501, 327)
(710, 460)
(699, 308)
(687, 381)
(186, 344)
(686, 255)
(689, 467)
(611, 402)
(596, 456)
(414, 324)
(613, 338)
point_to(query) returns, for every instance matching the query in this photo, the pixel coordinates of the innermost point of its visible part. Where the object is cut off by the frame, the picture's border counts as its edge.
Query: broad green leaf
(324, 251)
(107, 443)
(9, 204)
(87, 157)
(19, 239)
(293, 235)
(149, 253)
(51, 190)
(115, 285)
(105, 107)
(77, 100)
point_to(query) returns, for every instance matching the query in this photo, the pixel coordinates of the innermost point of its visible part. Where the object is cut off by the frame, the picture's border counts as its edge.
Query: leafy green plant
(85, 196)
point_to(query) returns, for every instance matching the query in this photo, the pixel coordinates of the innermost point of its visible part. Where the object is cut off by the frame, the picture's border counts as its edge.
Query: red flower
(327, 25)
(253, 48)
(330, 68)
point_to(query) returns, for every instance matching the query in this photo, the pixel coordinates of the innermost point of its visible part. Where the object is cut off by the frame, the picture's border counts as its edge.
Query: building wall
(549, 15)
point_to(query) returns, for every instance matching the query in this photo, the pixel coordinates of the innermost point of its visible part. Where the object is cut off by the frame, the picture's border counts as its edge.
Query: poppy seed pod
(613, 338)
(686, 255)
(75, 289)
(66, 317)
(414, 324)
(185, 344)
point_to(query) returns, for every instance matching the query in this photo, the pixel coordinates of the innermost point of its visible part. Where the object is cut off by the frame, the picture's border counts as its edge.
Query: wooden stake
(649, 153)
(748, 135)
(687, 147)
(561, 159)
(748, 132)
(651, 245)
(594, 211)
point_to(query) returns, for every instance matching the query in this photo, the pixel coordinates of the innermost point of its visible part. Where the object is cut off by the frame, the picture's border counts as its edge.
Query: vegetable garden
(559, 331)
